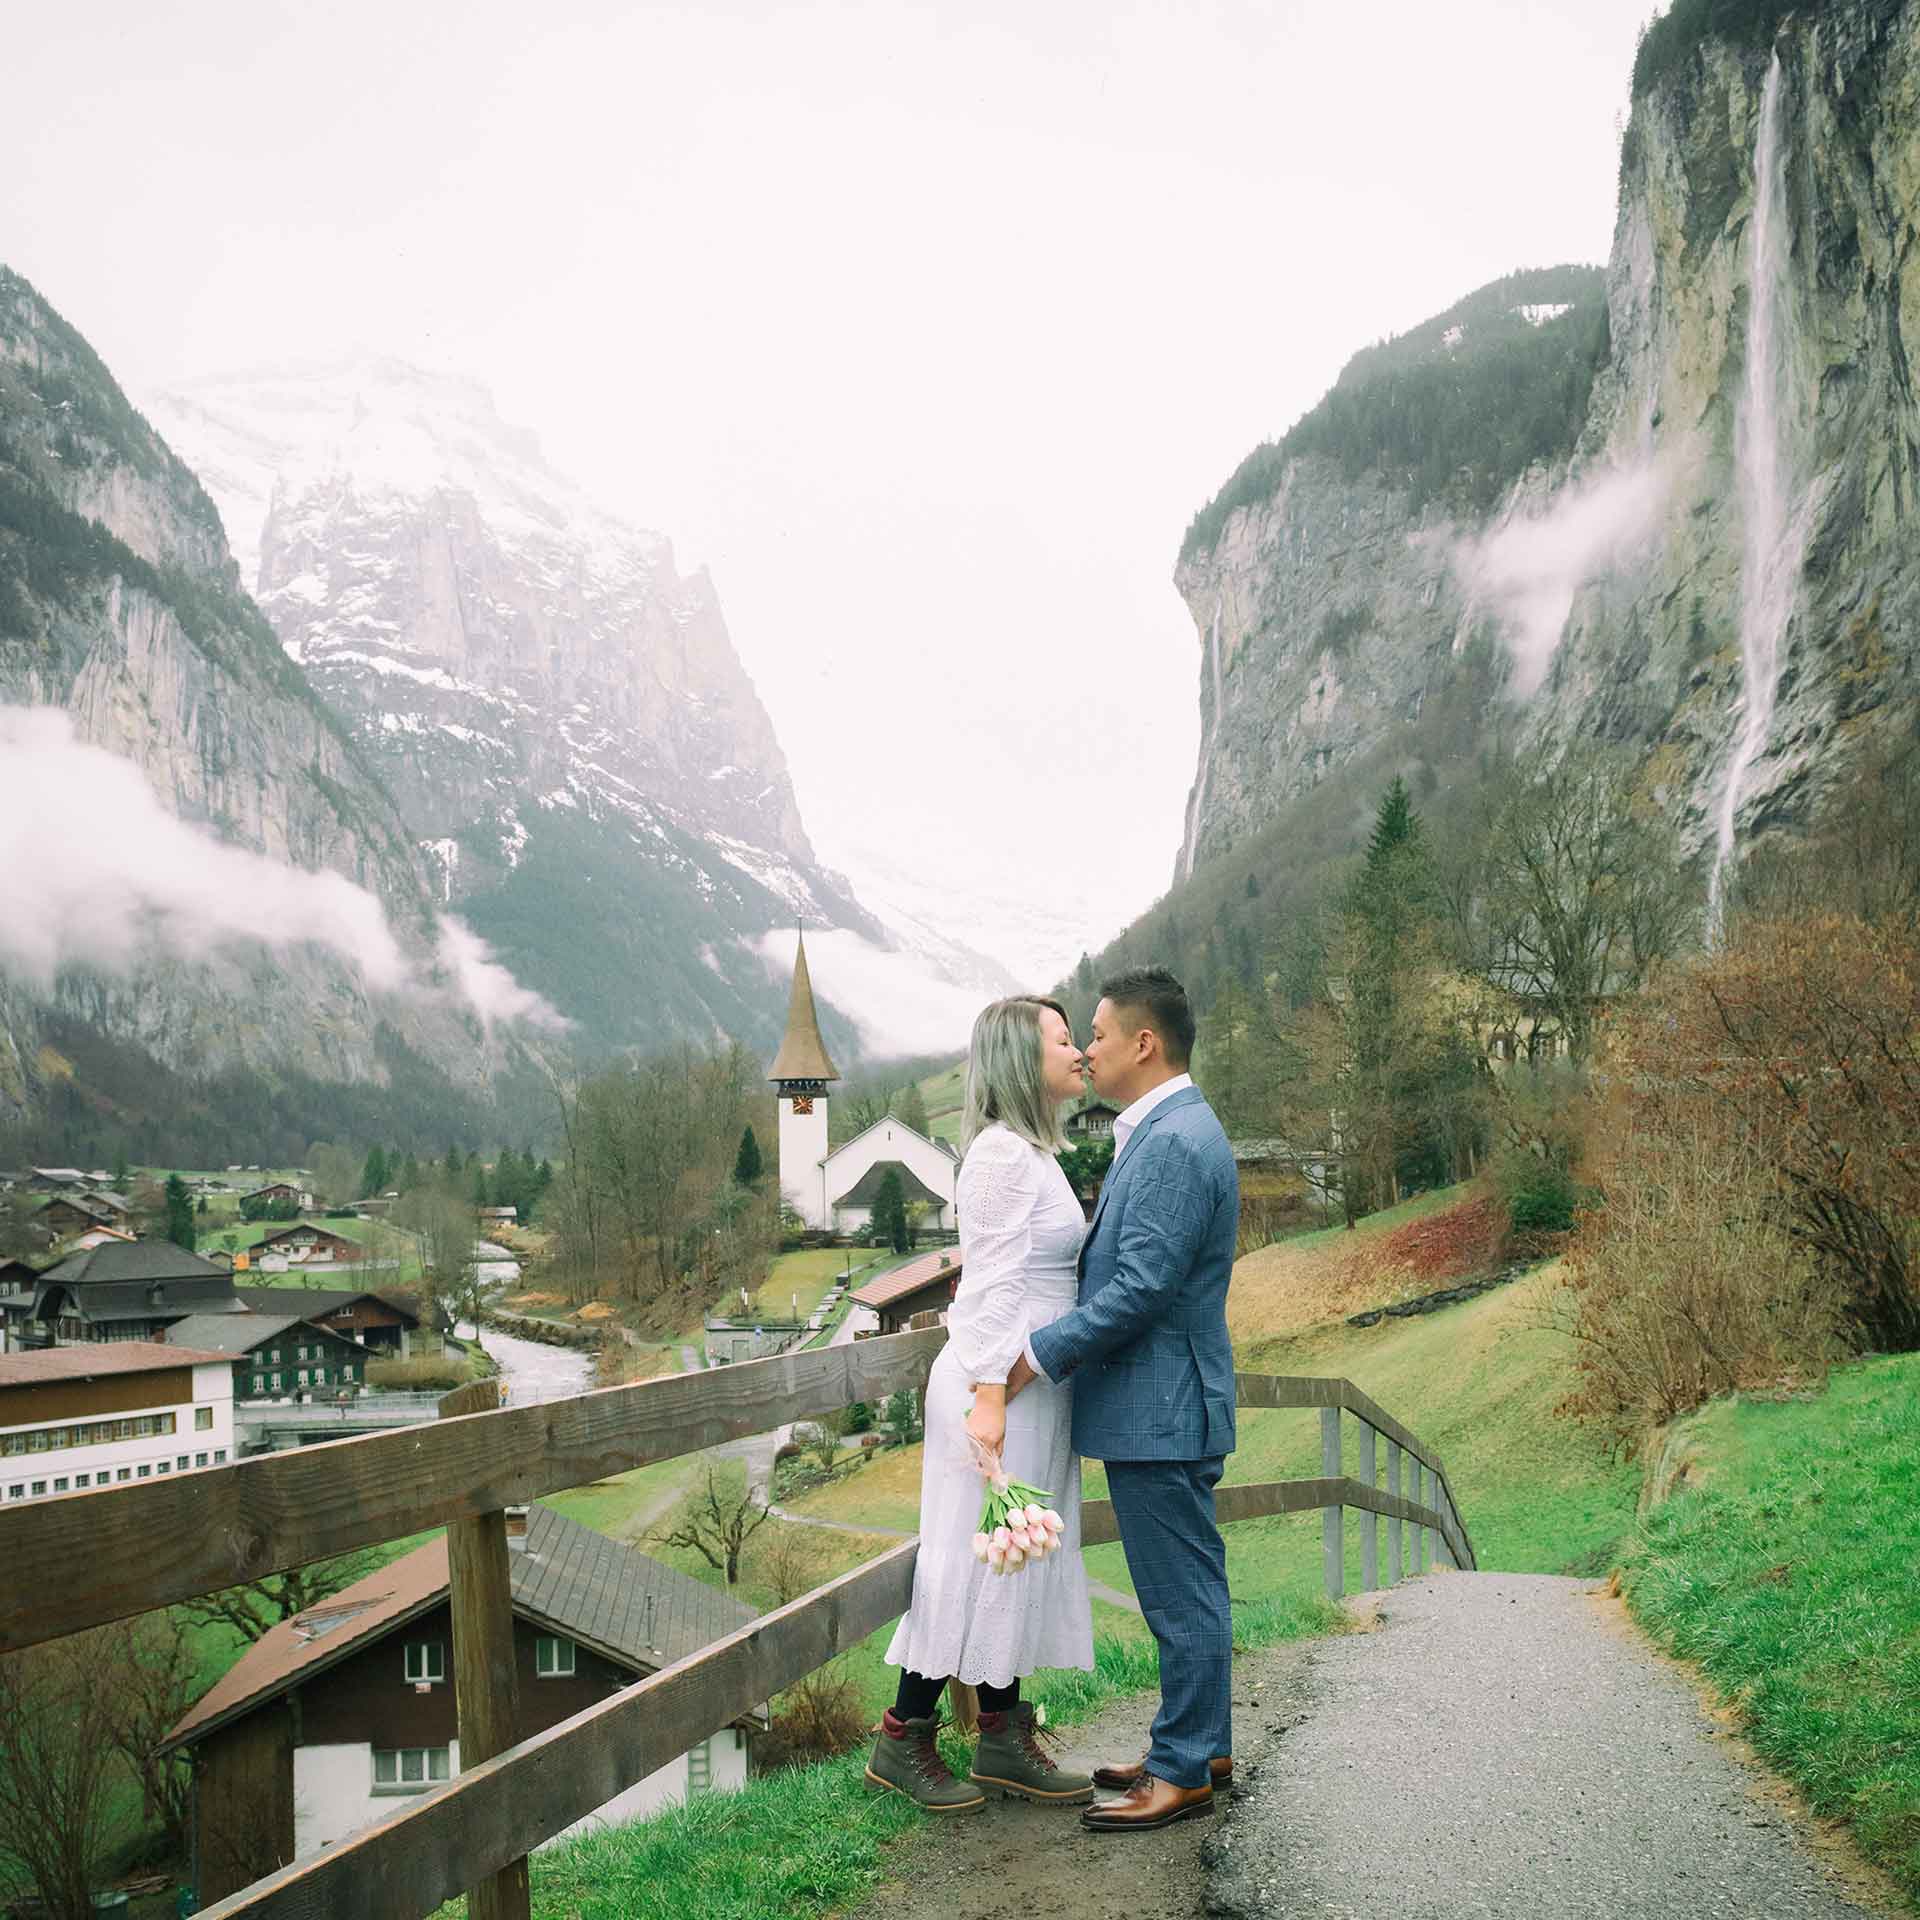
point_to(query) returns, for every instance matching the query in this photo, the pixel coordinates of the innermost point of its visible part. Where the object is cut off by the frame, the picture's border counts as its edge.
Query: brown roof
(611, 1597)
(803, 1054)
(908, 1279)
(95, 1361)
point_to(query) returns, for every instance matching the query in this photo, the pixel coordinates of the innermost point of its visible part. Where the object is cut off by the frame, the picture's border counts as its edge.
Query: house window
(39, 1487)
(274, 1357)
(303, 1376)
(37, 1442)
(125, 1473)
(14, 1443)
(166, 1466)
(199, 1460)
(168, 1423)
(426, 1660)
(276, 1383)
(346, 1370)
(18, 1491)
(219, 1456)
(181, 1463)
(203, 1419)
(82, 1480)
(145, 1473)
(60, 1485)
(409, 1769)
(143, 1427)
(552, 1656)
(259, 1383)
(699, 1768)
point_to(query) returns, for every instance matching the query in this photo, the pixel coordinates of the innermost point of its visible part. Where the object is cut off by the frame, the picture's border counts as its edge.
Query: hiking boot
(1012, 1757)
(906, 1759)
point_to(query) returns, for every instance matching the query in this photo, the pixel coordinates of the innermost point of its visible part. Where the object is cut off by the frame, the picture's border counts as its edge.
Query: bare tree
(260, 1605)
(156, 1678)
(716, 1526)
(60, 1768)
(1575, 893)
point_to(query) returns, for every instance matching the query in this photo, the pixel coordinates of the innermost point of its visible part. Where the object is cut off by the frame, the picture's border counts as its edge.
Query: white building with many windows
(74, 1419)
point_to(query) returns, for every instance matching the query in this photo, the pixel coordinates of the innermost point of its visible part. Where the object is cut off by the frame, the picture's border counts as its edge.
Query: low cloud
(895, 1000)
(100, 875)
(1527, 571)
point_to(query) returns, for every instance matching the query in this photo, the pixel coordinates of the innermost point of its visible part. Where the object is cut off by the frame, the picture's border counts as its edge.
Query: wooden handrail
(177, 1538)
(495, 1813)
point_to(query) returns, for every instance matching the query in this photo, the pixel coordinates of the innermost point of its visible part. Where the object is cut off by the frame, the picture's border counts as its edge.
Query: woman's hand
(987, 1423)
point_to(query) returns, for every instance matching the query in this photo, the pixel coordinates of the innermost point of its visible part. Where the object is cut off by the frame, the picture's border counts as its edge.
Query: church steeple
(802, 1063)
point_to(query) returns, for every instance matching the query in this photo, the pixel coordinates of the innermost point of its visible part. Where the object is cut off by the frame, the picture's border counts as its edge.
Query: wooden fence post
(1396, 1566)
(486, 1688)
(1333, 1520)
(1369, 1521)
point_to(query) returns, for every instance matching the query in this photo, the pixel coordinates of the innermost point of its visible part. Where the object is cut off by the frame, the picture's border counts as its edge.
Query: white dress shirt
(1123, 1126)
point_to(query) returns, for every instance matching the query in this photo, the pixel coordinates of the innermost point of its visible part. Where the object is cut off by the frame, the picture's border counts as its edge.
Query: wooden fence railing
(84, 1559)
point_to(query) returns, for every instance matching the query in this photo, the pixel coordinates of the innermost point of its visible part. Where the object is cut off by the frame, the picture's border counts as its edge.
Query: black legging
(919, 1696)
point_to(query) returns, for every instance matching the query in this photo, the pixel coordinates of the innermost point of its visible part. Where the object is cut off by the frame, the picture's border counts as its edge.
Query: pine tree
(180, 1229)
(373, 1175)
(747, 1165)
(890, 1211)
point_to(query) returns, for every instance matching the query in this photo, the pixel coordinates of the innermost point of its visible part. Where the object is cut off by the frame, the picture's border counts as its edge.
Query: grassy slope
(1789, 1575)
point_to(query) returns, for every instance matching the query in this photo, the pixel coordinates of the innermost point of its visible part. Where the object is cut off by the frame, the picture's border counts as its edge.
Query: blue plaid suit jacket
(1147, 1346)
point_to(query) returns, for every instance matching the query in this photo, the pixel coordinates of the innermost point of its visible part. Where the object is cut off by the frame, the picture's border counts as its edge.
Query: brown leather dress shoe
(1153, 1802)
(1119, 1779)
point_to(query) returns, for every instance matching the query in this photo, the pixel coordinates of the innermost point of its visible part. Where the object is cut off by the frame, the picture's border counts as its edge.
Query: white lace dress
(1020, 1235)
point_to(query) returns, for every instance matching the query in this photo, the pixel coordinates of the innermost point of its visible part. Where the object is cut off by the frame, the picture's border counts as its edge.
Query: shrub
(815, 1719)
(1540, 1195)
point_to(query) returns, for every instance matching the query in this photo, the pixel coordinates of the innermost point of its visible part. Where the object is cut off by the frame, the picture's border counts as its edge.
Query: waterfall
(1774, 534)
(1206, 745)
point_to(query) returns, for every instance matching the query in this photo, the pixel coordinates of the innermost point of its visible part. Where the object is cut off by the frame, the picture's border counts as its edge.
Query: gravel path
(1506, 1744)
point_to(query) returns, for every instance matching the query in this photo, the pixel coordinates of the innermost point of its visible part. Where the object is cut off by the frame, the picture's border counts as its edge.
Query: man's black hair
(1161, 1001)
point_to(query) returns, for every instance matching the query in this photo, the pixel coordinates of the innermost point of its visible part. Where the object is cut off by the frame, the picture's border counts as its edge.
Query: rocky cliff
(1688, 526)
(558, 710)
(120, 606)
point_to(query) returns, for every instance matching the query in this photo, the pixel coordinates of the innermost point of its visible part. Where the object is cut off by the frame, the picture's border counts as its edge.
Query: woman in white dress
(1020, 1234)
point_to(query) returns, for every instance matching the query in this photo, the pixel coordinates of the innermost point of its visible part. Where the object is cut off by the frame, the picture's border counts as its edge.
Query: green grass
(943, 1093)
(1792, 1577)
(808, 1841)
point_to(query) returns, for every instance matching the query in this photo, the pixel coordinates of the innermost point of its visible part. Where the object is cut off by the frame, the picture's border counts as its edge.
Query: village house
(126, 1290)
(1094, 1121)
(304, 1244)
(279, 1192)
(276, 1354)
(335, 1715)
(74, 1419)
(917, 1294)
(500, 1216)
(71, 1213)
(54, 1179)
(384, 1322)
(18, 1283)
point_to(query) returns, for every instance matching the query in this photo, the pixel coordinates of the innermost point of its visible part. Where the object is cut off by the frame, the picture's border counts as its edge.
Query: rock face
(1747, 453)
(559, 712)
(120, 604)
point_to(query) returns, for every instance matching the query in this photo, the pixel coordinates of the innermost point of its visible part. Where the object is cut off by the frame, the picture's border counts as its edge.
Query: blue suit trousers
(1178, 1564)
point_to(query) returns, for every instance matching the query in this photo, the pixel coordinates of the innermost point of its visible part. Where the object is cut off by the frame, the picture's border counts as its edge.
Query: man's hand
(1020, 1376)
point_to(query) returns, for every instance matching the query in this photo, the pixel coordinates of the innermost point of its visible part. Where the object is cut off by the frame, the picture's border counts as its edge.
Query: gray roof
(313, 1303)
(210, 1292)
(597, 1590)
(142, 1260)
(239, 1332)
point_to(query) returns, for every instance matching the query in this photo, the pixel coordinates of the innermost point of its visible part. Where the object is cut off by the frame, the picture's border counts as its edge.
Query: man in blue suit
(1152, 1371)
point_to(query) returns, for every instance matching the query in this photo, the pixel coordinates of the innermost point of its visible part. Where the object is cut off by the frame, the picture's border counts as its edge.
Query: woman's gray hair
(1005, 1080)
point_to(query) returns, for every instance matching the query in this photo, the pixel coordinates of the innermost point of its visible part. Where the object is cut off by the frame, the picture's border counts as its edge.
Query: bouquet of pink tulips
(1015, 1526)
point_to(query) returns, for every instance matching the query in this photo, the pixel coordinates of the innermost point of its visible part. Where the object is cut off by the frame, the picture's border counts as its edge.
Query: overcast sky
(926, 328)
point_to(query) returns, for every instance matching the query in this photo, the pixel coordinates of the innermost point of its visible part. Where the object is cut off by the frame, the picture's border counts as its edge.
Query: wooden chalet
(127, 1290)
(385, 1321)
(277, 1354)
(304, 1244)
(922, 1287)
(333, 1717)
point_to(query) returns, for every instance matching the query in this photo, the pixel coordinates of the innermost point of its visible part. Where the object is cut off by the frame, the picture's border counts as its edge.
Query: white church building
(833, 1189)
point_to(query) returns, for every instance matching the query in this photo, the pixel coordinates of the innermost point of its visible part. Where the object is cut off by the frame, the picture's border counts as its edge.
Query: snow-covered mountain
(559, 712)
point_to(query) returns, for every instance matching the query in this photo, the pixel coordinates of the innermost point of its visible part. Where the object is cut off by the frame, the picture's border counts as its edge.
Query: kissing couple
(1067, 1338)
